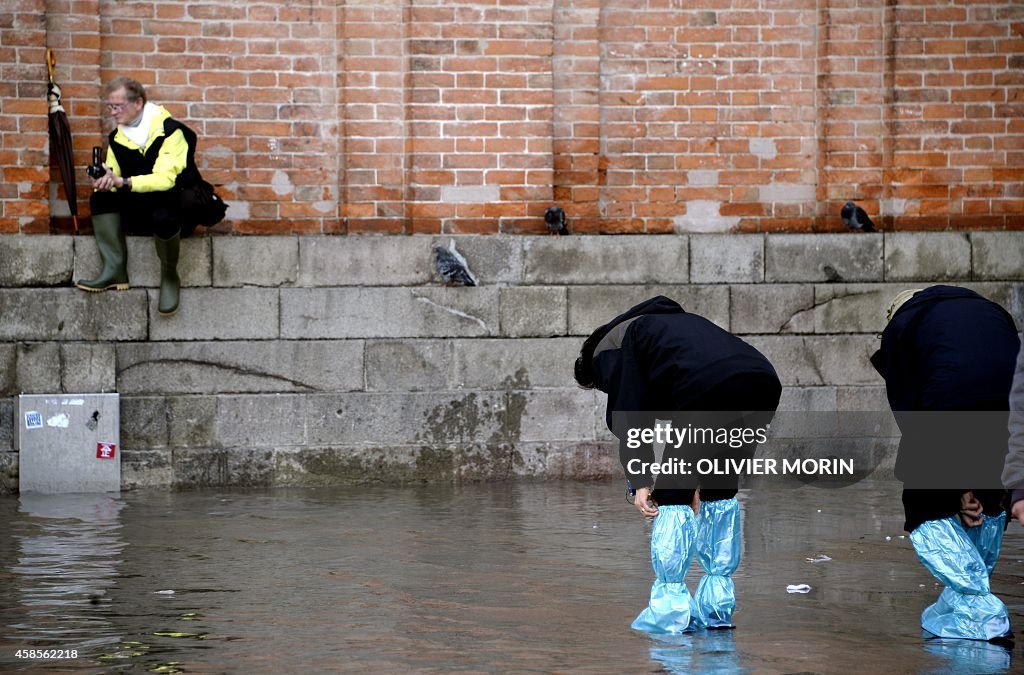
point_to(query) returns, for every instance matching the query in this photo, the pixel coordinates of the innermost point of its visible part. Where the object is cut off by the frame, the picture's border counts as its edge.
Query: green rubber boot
(110, 240)
(170, 284)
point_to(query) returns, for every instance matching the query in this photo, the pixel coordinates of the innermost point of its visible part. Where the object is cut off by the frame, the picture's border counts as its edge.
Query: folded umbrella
(61, 147)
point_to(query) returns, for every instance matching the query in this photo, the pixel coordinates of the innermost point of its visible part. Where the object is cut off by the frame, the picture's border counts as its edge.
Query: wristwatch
(128, 183)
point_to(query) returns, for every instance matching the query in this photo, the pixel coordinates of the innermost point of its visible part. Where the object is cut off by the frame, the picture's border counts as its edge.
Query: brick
(218, 314)
(409, 365)
(87, 368)
(997, 255)
(852, 308)
(523, 363)
(391, 420)
(35, 371)
(147, 469)
(239, 367)
(629, 259)
(72, 314)
(771, 308)
(242, 467)
(823, 257)
(558, 415)
(260, 421)
(593, 306)
(931, 256)
(334, 313)
(6, 435)
(143, 422)
(8, 365)
(533, 311)
(35, 260)
(358, 260)
(143, 265)
(192, 421)
(727, 259)
(807, 399)
(820, 360)
(255, 261)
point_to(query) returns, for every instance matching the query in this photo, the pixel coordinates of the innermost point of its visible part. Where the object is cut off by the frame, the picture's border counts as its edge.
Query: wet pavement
(480, 578)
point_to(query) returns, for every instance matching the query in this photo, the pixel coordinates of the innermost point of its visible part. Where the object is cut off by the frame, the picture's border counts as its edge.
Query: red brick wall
(634, 115)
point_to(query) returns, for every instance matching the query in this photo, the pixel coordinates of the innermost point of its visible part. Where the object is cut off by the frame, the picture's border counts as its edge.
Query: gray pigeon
(856, 218)
(555, 219)
(452, 267)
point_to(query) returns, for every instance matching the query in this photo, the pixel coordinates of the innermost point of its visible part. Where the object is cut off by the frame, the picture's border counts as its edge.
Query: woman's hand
(643, 502)
(970, 510)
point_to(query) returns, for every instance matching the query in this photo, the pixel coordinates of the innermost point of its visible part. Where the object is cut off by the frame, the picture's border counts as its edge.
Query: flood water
(522, 577)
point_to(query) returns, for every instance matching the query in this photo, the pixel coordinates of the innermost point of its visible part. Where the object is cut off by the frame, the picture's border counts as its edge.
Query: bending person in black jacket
(947, 356)
(658, 358)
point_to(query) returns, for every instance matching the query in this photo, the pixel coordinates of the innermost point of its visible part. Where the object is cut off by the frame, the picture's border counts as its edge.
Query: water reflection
(64, 563)
(968, 656)
(709, 651)
(507, 577)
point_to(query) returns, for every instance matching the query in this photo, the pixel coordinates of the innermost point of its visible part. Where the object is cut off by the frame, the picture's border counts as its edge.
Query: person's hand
(107, 181)
(1017, 511)
(970, 510)
(695, 502)
(643, 502)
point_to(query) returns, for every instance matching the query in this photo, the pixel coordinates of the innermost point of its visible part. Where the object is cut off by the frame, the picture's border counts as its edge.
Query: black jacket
(946, 352)
(657, 357)
(948, 348)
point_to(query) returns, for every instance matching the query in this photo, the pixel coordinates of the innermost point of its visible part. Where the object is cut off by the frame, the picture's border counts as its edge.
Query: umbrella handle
(51, 61)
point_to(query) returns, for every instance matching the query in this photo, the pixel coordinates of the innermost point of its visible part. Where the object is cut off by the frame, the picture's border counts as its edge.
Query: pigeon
(452, 267)
(855, 218)
(555, 219)
(831, 273)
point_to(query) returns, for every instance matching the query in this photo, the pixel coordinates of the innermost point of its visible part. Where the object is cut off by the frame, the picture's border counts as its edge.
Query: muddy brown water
(527, 577)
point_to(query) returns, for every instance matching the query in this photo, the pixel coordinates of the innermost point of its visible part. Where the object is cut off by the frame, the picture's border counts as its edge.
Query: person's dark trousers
(757, 397)
(739, 403)
(154, 213)
(922, 505)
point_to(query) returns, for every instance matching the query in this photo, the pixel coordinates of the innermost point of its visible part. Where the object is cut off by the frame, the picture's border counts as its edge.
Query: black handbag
(201, 205)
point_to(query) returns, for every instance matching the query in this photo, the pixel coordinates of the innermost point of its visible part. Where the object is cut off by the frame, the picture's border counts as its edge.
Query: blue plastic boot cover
(718, 551)
(673, 540)
(966, 608)
(988, 538)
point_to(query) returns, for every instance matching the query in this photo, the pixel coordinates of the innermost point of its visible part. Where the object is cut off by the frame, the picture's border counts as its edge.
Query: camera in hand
(96, 169)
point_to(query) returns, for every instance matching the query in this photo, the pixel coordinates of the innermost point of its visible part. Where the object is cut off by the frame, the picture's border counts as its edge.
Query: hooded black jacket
(657, 357)
(949, 349)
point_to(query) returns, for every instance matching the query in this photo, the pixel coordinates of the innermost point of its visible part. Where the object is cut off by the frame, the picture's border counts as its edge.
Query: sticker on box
(33, 420)
(106, 450)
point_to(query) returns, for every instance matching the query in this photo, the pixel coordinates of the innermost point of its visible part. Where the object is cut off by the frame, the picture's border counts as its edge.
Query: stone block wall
(317, 359)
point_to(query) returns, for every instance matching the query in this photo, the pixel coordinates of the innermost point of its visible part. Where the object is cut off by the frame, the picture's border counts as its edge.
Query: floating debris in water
(165, 593)
(798, 588)
(178, 634)
(888, 538)
(818, 559)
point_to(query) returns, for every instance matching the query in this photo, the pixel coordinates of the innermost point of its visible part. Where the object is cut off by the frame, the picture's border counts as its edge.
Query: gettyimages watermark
(726, 449)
